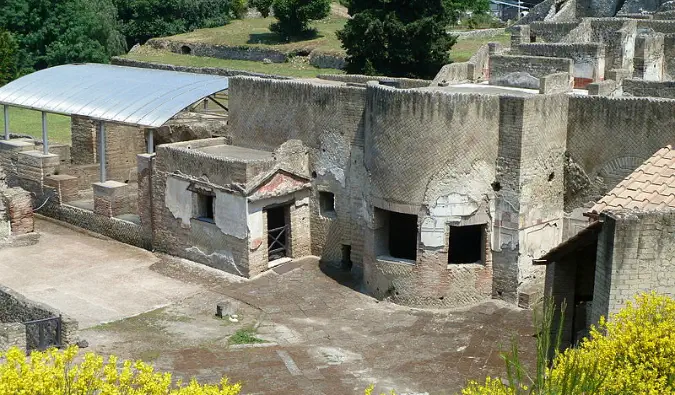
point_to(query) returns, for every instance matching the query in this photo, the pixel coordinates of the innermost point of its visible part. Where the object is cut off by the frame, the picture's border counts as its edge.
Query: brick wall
(630, 131)
(328, 120)
(642, 252)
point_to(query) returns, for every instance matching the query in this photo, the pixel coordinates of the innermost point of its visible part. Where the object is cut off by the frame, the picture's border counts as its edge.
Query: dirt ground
(322, 336)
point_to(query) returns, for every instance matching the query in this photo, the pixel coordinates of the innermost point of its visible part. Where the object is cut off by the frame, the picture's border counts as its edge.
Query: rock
(82, 344)
(267, 61)
(227, 309)
(135, 48)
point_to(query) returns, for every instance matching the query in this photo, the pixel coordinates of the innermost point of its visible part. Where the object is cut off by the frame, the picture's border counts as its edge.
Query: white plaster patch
(230, 214)
(452, 207)
(178, 199)
(332, 156)
(216, 258)
(255, 226)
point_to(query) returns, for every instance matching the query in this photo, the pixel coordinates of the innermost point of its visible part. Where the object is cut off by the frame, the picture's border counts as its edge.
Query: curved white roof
(129, 95)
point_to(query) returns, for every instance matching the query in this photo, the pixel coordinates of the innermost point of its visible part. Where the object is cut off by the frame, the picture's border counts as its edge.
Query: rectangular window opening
(396, 235)
(327, 204)
(467, 244)
(205, 207)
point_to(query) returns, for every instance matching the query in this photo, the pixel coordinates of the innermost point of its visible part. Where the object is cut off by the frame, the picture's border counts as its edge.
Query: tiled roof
(650, 186)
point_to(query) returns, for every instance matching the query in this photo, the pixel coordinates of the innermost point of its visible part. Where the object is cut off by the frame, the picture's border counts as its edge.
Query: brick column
(146, 167)
(65, 187)
(33, 167)
(110, 198)
(9, 151)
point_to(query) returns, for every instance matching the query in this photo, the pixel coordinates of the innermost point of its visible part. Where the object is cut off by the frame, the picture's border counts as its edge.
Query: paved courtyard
(322, 335)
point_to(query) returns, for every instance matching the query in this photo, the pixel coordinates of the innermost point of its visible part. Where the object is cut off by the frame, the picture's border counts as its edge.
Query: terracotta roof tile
(652, 185)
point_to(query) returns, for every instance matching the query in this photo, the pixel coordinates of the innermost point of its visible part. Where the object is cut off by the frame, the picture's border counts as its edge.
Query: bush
(8, 58)
(633, 353)
(54, 373)
(239, 8)
(293, 16)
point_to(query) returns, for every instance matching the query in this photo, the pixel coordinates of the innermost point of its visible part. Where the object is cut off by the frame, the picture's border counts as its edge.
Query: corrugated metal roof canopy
(129, 95)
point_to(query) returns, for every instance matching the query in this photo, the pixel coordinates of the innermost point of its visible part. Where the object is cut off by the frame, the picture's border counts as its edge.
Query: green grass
(255, 32)
(245, 336)
(289, 69)
(29, 122)
(463, 50)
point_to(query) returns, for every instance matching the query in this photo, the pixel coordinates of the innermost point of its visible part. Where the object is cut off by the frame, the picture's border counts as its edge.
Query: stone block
(110, 198)
(19, 207)
(555, 83)
(602, 88)
(66, 186)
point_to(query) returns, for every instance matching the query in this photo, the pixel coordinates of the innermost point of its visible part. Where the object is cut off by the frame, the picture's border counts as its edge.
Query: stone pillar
(110, 198)
(299, 239)
(146, 166)
(83, 138)
(648, 60)
(9, 151)
(520, 35)
(33, 167)
(19, 205)
(65, 187)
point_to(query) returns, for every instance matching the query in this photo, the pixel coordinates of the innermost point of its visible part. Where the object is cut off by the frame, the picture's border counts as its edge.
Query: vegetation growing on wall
(402, 38)
(56, 373)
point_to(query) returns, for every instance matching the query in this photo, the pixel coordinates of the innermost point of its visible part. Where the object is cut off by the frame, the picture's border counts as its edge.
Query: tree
(144, 19)
(293, 15)
(402, 38)
(52, 32)
(9, 69)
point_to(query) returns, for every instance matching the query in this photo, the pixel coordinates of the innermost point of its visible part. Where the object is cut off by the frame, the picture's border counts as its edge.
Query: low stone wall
(116, 60)
(642, 88)
(124, 231)
(525, 71)
(16, 309)
(588, 58)
(324, 60)
(552, 32)
(401, 83)
(480, 33)
(219, 51)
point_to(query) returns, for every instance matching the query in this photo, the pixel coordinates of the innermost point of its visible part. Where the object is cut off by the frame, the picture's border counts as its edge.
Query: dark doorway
(346, 257)
(277, 233)
(403, 235)
(467, 244)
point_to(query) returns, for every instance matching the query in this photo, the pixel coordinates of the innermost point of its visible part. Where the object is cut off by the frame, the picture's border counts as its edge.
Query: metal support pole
(45, 143)
(6, 122)
(101, 149)
(151, 141)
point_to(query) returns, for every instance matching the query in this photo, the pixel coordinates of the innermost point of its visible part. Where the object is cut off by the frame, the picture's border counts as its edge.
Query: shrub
(293, 16)
(8, 58)
(54, 373)
(239, 8)
(633, 353)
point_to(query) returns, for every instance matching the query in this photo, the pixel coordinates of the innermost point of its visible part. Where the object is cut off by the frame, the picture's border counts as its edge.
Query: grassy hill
(29, 122)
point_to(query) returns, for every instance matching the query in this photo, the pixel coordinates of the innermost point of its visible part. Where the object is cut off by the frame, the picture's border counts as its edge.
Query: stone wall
(648, 61)
(452, 185)
(630, 129)
(324, 60)
(588, 59)
(642, 88)
(328, 120)
(552, 32)
(525, 71)
(669, 57)
(218, 51)
(124, 231)
(116, 60)
(402, 83)
(18, 210)
(642, 252)
(15, 309)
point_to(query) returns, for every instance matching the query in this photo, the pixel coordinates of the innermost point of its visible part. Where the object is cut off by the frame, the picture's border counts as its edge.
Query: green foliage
(8, 58)
(245, 336)
(144, 19)
(294, 16)
(239, 8)
(52, 32)
(402, 38)
(263, 6)
(633, 353)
